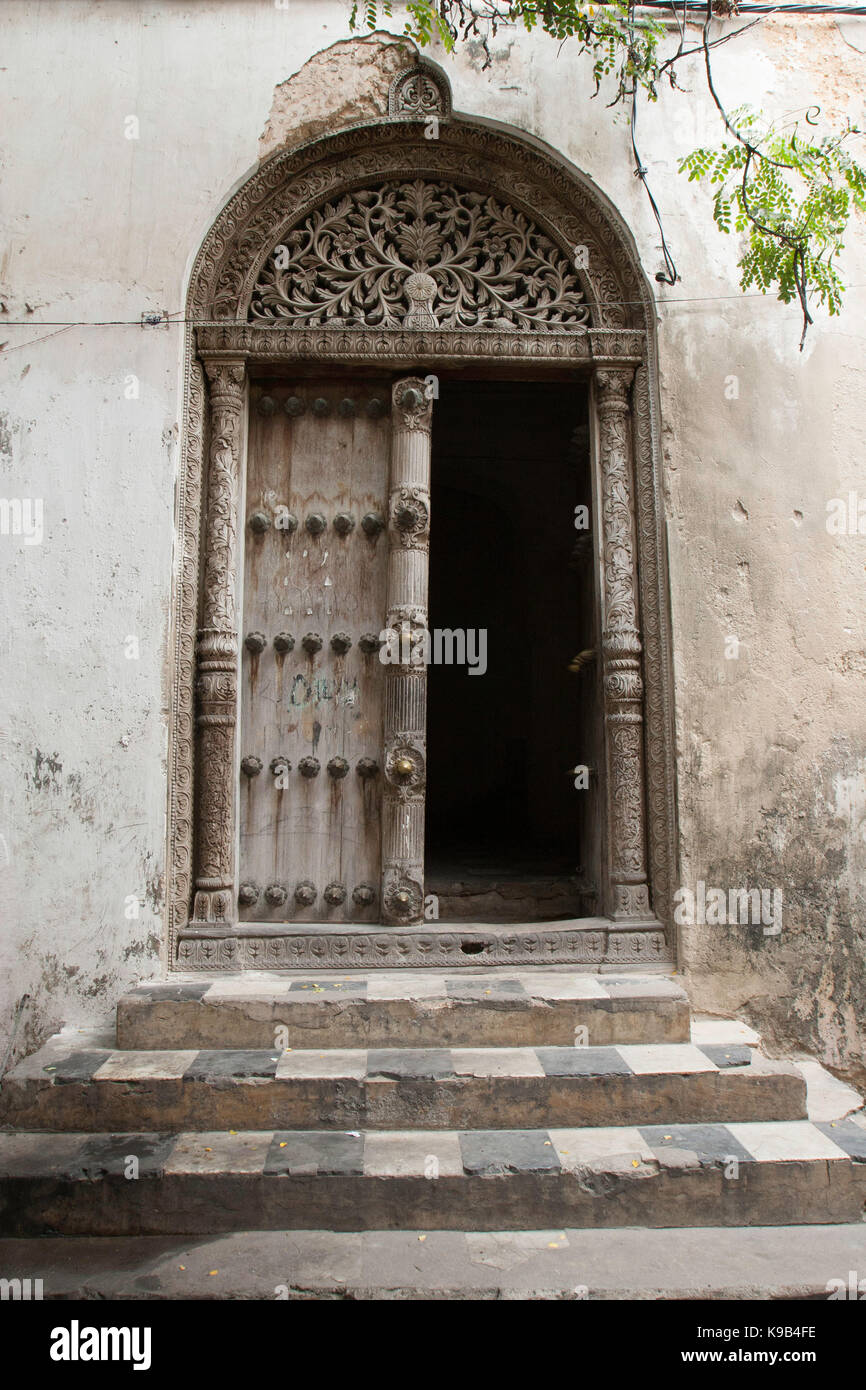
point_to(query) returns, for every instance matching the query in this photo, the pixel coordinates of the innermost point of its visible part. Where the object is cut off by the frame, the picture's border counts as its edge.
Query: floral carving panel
(485, 263)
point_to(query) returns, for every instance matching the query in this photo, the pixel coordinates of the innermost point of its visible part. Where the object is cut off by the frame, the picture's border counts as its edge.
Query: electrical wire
(669, 275)
(65, 324)
(745, 8)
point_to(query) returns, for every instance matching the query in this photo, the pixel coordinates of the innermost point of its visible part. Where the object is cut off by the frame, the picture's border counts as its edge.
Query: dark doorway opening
(509, 836)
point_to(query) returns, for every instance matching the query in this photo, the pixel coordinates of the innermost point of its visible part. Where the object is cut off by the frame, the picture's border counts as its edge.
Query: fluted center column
(406, 681)
(621, 649)
(217, 651)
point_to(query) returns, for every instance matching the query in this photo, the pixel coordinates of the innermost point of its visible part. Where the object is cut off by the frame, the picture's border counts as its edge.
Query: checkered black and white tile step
(736, 1174)
(69, 1086)
(405, 1008)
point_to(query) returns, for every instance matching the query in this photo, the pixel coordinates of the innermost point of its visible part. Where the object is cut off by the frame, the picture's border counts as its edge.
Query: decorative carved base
(594, 941)
(214, 905)
(631, 902)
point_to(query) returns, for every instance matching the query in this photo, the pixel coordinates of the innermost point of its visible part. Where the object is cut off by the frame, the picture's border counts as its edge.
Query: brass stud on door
(321, 407)
(340, 643)
(259, 522)
(376, 408)
(280, 765)
(251, 767)
(364, 895)
(294, 406)
(311, 643)
(315, 524)
(305, 893)
(370, 643)
(284, 642)
(372, 524)
(344, 523)
(248, 894)
(346, 408)
(255, 642)
(309, 767)
(337, 768)
(407, 516)
(367, 767)
(266, 406)
(411, 398)
(276, 894)
(335, 894)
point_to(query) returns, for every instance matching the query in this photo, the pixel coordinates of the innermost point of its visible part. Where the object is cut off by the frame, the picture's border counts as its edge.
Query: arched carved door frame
(615, 350)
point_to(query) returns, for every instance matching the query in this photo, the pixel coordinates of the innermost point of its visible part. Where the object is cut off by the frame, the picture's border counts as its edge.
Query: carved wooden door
(329, 761)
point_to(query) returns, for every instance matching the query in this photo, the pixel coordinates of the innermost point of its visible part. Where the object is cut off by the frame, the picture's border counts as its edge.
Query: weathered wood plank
(324, 704)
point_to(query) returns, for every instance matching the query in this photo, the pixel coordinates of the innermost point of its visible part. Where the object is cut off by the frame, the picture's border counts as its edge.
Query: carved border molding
(572, 212)
(448, 347)
(394, 947)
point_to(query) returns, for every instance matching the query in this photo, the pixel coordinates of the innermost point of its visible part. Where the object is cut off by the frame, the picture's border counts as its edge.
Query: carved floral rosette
(407, 781)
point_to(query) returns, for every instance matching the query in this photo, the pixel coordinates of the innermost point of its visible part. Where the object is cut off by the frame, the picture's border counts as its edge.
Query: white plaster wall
(98, 227)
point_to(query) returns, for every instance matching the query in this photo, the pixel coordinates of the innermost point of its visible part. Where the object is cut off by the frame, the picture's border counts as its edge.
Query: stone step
(67, 1085)
(404, 1008)
(719, 1263)
(740, 1174)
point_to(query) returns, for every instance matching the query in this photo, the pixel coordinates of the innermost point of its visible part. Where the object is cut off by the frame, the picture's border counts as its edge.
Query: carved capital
(413, 409)
(226, 379)
(612, 388)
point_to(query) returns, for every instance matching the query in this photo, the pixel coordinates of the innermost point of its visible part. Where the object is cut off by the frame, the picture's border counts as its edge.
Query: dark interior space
(509, 837)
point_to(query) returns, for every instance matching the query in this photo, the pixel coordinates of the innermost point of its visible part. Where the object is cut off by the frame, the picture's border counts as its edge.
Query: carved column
(217, 651)
(621, 649)
(406, 679)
